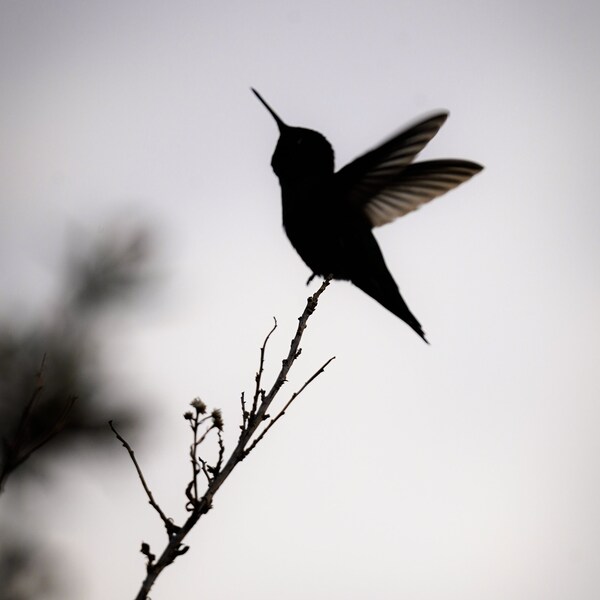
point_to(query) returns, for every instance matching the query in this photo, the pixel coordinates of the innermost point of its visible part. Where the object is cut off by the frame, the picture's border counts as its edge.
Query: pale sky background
(467, 470)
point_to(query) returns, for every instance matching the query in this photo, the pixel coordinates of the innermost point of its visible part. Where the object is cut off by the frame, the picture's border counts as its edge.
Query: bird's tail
(388, 295)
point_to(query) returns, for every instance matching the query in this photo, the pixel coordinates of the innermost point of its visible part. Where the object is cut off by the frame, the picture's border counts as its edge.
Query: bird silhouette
(328, 216)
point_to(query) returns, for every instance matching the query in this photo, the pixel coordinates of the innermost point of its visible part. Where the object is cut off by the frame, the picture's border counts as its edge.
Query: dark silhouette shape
(328, 216)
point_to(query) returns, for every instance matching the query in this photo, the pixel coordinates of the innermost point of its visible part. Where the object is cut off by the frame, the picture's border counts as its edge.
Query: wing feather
(368, 174)
(415, 185)
(385, 183)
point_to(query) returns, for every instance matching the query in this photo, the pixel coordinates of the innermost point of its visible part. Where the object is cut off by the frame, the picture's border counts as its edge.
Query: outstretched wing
(367, 175)
(385, 185)
(415, 185)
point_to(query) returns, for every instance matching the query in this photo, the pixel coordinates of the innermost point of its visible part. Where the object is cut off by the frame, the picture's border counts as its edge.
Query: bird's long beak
(279, 122)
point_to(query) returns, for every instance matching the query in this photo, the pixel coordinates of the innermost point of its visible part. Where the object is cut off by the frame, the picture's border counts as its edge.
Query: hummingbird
(328, 216)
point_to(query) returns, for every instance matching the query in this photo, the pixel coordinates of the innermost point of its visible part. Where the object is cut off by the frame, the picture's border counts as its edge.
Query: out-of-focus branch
(20, 447)
(63, 399)
(216, 474)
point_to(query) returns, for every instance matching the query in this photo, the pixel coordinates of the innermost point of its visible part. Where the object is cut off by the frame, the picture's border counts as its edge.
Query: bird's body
(328, 216)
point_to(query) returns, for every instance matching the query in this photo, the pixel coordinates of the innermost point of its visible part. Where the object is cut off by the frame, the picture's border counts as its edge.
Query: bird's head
(299, 152)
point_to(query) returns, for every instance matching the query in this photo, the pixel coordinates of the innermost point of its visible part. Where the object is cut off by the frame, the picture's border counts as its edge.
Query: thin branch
(245, 414)
(221, 453)
(261, 402)
(39, 386)
(287, 405)
(288, 361)
(169, 525)
(193, 458)
(55, 430)
(15, 452)
(258, 391)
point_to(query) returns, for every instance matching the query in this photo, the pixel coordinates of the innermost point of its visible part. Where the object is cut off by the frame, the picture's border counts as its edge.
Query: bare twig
(287, 405)
(16, 451)
(54, 430)
(37, 390)
(245, 414)
(216, 476)
(261, 366)
(168, 523)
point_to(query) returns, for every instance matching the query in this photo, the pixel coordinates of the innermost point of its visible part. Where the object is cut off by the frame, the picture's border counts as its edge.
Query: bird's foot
(310, 278)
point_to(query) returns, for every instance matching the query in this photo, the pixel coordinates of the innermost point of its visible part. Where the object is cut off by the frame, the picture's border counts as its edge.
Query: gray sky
(465, 470)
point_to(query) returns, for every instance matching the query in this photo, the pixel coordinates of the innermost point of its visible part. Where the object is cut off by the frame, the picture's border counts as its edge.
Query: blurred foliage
(51, 387)
(111, 272)
(54, 397)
